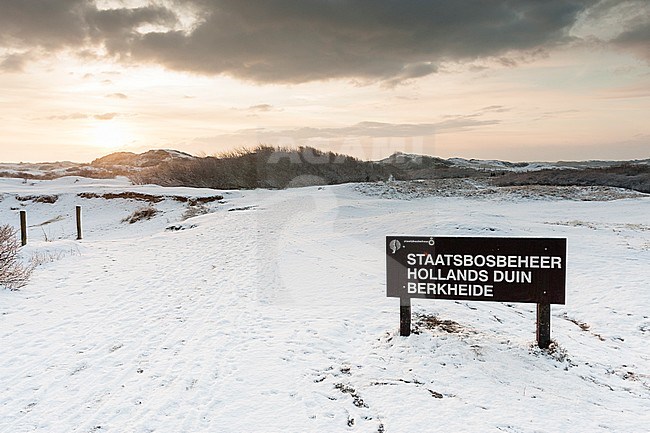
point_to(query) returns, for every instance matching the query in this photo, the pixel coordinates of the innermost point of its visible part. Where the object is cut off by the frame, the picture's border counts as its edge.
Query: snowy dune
(266, 312)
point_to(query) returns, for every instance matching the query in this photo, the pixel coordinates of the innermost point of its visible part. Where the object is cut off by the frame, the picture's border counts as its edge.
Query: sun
(110, 134)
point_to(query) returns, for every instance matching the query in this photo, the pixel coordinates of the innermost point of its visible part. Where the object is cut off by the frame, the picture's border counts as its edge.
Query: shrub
(144, 213)
(13, 274)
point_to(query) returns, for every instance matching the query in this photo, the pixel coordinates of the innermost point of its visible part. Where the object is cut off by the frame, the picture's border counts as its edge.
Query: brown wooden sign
(477, 268)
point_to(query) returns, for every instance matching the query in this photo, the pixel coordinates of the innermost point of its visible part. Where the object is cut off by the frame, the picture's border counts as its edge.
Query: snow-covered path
(270, 315)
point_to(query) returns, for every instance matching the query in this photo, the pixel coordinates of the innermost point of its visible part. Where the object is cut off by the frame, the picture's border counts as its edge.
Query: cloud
(56, 24)
(623, 24)
(14, 62)
(636, 40)
(105, 116)
(494, 109)
(48, 24)
(284, 41)
(410, 72)
(379, 40)
(361, 130)
(117, 96)
(260, 108)
(77, 116)
(72, 116)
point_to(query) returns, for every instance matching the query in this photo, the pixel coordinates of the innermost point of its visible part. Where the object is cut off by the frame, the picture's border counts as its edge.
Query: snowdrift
(266, 311)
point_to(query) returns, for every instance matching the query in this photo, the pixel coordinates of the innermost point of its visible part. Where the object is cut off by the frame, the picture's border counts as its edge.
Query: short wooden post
(543, 325)
(78, 222)
(23, 228)
(404, 317)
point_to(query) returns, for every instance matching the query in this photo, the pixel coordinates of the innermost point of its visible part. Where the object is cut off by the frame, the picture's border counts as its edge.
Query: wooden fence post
(23, 228)
(78, 222)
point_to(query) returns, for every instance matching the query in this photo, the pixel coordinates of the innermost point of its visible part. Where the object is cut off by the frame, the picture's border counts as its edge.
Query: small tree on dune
(13, 274)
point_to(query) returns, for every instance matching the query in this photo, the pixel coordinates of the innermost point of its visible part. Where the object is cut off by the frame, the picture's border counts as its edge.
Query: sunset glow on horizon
(529, 81)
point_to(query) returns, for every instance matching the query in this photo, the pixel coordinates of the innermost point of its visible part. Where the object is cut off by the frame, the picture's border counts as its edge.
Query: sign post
(404, 317)
(543, 325)
(531, 270)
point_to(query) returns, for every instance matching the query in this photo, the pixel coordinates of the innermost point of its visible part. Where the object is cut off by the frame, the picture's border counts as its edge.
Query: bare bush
(143, 213)
(13, 274)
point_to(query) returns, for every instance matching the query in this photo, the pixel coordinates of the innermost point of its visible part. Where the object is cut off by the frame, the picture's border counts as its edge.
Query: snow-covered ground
(266, 312)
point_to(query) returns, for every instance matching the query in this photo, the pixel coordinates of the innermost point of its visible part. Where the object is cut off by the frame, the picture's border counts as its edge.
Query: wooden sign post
(531, 270)
(543, 324)
(404, 317)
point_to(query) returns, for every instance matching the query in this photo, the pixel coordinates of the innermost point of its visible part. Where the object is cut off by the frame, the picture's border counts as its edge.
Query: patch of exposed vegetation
(556, 352)
(629, 176)
(426, 321)
(143, 213)
(130, 195)
(197, 201)
(482, 188)
(38, 198)
(346, 389)
(237, 209)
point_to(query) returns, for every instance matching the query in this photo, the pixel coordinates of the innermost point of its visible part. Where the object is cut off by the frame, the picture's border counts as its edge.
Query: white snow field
(268, 314)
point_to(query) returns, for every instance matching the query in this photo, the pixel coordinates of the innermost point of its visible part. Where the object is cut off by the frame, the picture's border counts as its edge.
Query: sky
(521, 80)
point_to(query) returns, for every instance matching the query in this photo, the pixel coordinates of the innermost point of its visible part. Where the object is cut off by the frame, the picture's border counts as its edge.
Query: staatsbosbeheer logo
(395, 245)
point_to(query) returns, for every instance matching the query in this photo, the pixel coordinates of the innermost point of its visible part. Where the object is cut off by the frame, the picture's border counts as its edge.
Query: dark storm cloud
(297, 41)
(117, 27)
(48, 24)
(56, 24)
(291, 41)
